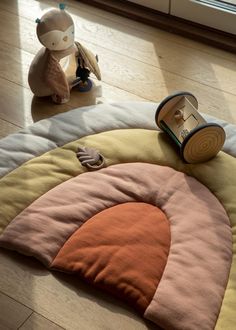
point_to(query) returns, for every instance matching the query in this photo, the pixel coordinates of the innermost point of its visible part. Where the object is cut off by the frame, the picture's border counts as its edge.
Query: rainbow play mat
(147, 228)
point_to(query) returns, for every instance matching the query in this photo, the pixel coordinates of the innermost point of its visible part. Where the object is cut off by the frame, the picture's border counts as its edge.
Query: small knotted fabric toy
(90, 158)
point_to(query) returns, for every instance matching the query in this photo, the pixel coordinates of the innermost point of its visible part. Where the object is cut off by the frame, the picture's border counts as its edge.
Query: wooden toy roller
(199, 141)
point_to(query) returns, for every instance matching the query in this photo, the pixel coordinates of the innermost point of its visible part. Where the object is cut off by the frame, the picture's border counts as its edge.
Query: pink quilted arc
(201, 240)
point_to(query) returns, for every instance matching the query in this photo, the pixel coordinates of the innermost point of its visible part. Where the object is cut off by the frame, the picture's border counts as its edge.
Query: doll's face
(58, 40)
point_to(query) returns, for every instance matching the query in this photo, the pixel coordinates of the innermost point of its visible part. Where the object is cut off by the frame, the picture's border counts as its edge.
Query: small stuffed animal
(53, 70)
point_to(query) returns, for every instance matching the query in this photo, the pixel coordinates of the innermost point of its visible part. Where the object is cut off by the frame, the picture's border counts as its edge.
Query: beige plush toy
(53, 70)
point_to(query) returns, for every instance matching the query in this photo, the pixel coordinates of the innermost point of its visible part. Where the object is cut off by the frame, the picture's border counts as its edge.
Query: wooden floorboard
(63, 298)
(149, 49)
(169, 23)
(7, 128)
(138, 63)
(32, 9)
(37, 322)
(12, 313)
(152, 70)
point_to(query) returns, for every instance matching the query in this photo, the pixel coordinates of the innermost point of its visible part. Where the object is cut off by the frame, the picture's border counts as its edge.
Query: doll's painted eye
(53, 43)
(72, 32)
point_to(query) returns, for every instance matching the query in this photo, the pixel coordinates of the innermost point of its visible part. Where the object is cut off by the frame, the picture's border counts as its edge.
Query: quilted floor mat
(147, 228)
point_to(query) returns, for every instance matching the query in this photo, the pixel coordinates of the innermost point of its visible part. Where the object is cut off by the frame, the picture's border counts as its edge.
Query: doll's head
(55, 29)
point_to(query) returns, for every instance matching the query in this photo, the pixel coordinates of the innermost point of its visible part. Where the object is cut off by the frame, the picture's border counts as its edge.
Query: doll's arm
(56, 79)
(87, 59)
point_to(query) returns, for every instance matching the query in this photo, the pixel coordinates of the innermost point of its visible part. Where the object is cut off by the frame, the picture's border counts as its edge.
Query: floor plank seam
(121, 89)
(104, 81)
(15, 83)
(18, 48)
(9, 122)
(25, 320)
(50, 320)
(19, 302)
(131, 92)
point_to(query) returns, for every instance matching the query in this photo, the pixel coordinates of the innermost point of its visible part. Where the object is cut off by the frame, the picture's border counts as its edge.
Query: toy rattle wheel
(169, 102)
(202, 143)
(85, 87)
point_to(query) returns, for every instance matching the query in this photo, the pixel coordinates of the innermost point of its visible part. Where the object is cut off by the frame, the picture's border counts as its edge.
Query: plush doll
(62, 63)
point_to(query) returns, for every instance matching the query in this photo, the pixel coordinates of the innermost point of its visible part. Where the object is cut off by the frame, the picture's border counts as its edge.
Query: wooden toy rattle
(199, 141)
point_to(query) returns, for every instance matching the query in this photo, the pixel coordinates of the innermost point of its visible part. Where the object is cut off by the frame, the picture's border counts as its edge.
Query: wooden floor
(138, 63)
